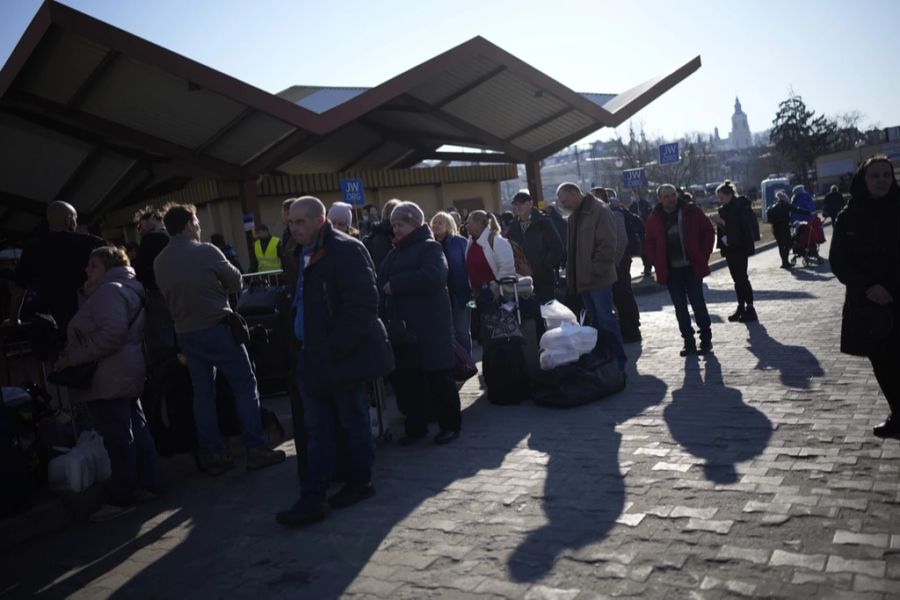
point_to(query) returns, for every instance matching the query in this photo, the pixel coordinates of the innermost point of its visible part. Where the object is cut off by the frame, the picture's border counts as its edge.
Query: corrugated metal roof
(320, 99)
(121, 109)
(598, 99)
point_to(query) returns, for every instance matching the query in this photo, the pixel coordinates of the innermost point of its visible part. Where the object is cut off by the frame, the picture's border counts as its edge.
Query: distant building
(740, 130)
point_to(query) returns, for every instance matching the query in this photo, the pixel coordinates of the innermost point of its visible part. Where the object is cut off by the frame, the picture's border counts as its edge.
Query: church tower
(740, 130)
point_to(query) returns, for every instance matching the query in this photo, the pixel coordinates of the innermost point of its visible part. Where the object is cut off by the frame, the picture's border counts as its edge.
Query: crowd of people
(393, 300)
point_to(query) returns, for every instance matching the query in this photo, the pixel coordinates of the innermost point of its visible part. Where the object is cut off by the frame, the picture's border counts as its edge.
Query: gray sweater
(195, 279)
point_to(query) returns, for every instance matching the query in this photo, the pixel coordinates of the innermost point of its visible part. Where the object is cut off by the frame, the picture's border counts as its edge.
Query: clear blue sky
(839, 55)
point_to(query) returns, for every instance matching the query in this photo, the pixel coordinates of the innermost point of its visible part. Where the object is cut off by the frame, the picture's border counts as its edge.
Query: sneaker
(108, 512)
(350, 494)
(308, 509)
(737, 314)
(214, 463)
(748, 315)
(261, 457)
(889, 429)
(706, 347)
(786, 266)
(445, 437)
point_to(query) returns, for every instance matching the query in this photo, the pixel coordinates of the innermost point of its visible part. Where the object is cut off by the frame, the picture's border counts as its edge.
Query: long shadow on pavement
(796, 363)
(711, 421)
(584, 492)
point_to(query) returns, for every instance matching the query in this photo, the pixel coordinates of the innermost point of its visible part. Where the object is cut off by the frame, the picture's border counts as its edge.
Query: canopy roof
(98, 117)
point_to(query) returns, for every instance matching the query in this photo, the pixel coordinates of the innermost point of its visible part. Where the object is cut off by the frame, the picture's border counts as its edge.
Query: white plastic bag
(550, 359)
(555, 313)
(73, 471)
(92, 444)
(80, 467)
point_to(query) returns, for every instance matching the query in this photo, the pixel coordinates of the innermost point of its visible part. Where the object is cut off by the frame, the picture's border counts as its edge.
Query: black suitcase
(506, 373)
(270, 352)
(168, 402)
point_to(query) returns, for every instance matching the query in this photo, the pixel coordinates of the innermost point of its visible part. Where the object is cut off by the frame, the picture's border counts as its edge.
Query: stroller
(806, 237)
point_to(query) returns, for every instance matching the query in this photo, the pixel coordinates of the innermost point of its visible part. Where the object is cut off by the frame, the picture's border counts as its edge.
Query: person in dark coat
(833, 204)
(443, 226)
(343, 344)
(779, 217)
(640, 207)
(159, 333)
(537, 236)
(865, 257)
(380, 238)
(416, 304)
(562, 230)
(735, 232)
(679, 240)
(52, 265)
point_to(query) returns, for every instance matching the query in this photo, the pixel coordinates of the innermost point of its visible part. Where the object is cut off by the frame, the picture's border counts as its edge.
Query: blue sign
(353, 191)
(668, 153)
(634, 178)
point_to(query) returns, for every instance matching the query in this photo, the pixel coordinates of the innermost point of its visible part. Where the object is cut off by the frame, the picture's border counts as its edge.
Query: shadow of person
(584, 491)
(797, 364)
(711, 421)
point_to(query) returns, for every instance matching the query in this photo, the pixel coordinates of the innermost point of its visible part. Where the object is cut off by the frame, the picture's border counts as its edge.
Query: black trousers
(886, 364)
(783, 238)
(421, 392)
(623, 298)
(737, 266)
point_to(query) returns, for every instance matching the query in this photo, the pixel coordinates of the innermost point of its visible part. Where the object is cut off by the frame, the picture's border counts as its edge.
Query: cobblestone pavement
(752, 472)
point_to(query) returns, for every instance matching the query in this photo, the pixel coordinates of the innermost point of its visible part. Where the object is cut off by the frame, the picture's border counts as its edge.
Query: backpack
(523, 269)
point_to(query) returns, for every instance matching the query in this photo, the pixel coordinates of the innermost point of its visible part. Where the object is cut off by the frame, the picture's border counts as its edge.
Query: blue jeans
(323, 413)
(683, 287)
(132, 454)
(461, 327)
(599, 304)
(210, 349)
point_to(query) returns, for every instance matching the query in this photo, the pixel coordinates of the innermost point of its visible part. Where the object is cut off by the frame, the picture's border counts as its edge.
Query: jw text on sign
(353, 192)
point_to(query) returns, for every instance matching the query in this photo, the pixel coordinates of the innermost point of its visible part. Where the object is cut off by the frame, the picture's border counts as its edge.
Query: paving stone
(753, 555)
(690, 512)
(631, 520)
(864, 583)
(541, 592)
(664, 466)
(780, 558)
(873, 568)
(871, 539)
(720, 527)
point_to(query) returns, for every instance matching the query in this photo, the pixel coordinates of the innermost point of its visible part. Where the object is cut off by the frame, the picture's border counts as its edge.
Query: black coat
(833, 203)
(779, 217)
(379, 242)
(542, 247)
(865, 251)
(738, 229)
(417, 272)
(344, 341)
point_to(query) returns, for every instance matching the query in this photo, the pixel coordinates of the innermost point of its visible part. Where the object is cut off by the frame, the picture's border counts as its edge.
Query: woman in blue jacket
(443, 226)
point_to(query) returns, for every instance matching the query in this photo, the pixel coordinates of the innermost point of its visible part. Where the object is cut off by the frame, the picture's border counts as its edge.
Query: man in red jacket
(679, 240)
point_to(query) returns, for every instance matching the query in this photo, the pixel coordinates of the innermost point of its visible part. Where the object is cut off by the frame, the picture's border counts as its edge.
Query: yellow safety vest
(268, 260)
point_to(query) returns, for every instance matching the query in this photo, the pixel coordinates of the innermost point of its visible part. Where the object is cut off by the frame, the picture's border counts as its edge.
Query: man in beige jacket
(591, 265)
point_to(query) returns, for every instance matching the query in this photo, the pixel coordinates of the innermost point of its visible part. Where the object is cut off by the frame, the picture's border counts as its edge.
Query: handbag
(865, 326)
(79, 377)
(240, 331)
(463, 365)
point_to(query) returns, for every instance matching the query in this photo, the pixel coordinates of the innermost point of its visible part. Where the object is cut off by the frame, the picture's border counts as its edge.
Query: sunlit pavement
(751, 472)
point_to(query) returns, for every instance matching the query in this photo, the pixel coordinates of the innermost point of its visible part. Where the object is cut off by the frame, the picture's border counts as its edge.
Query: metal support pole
(533, 175)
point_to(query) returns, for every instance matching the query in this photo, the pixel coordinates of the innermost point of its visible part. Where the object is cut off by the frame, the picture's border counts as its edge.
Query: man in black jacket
(159, 329)
(342, 345)
(537, 236)
(779, 217)
(833, 204)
